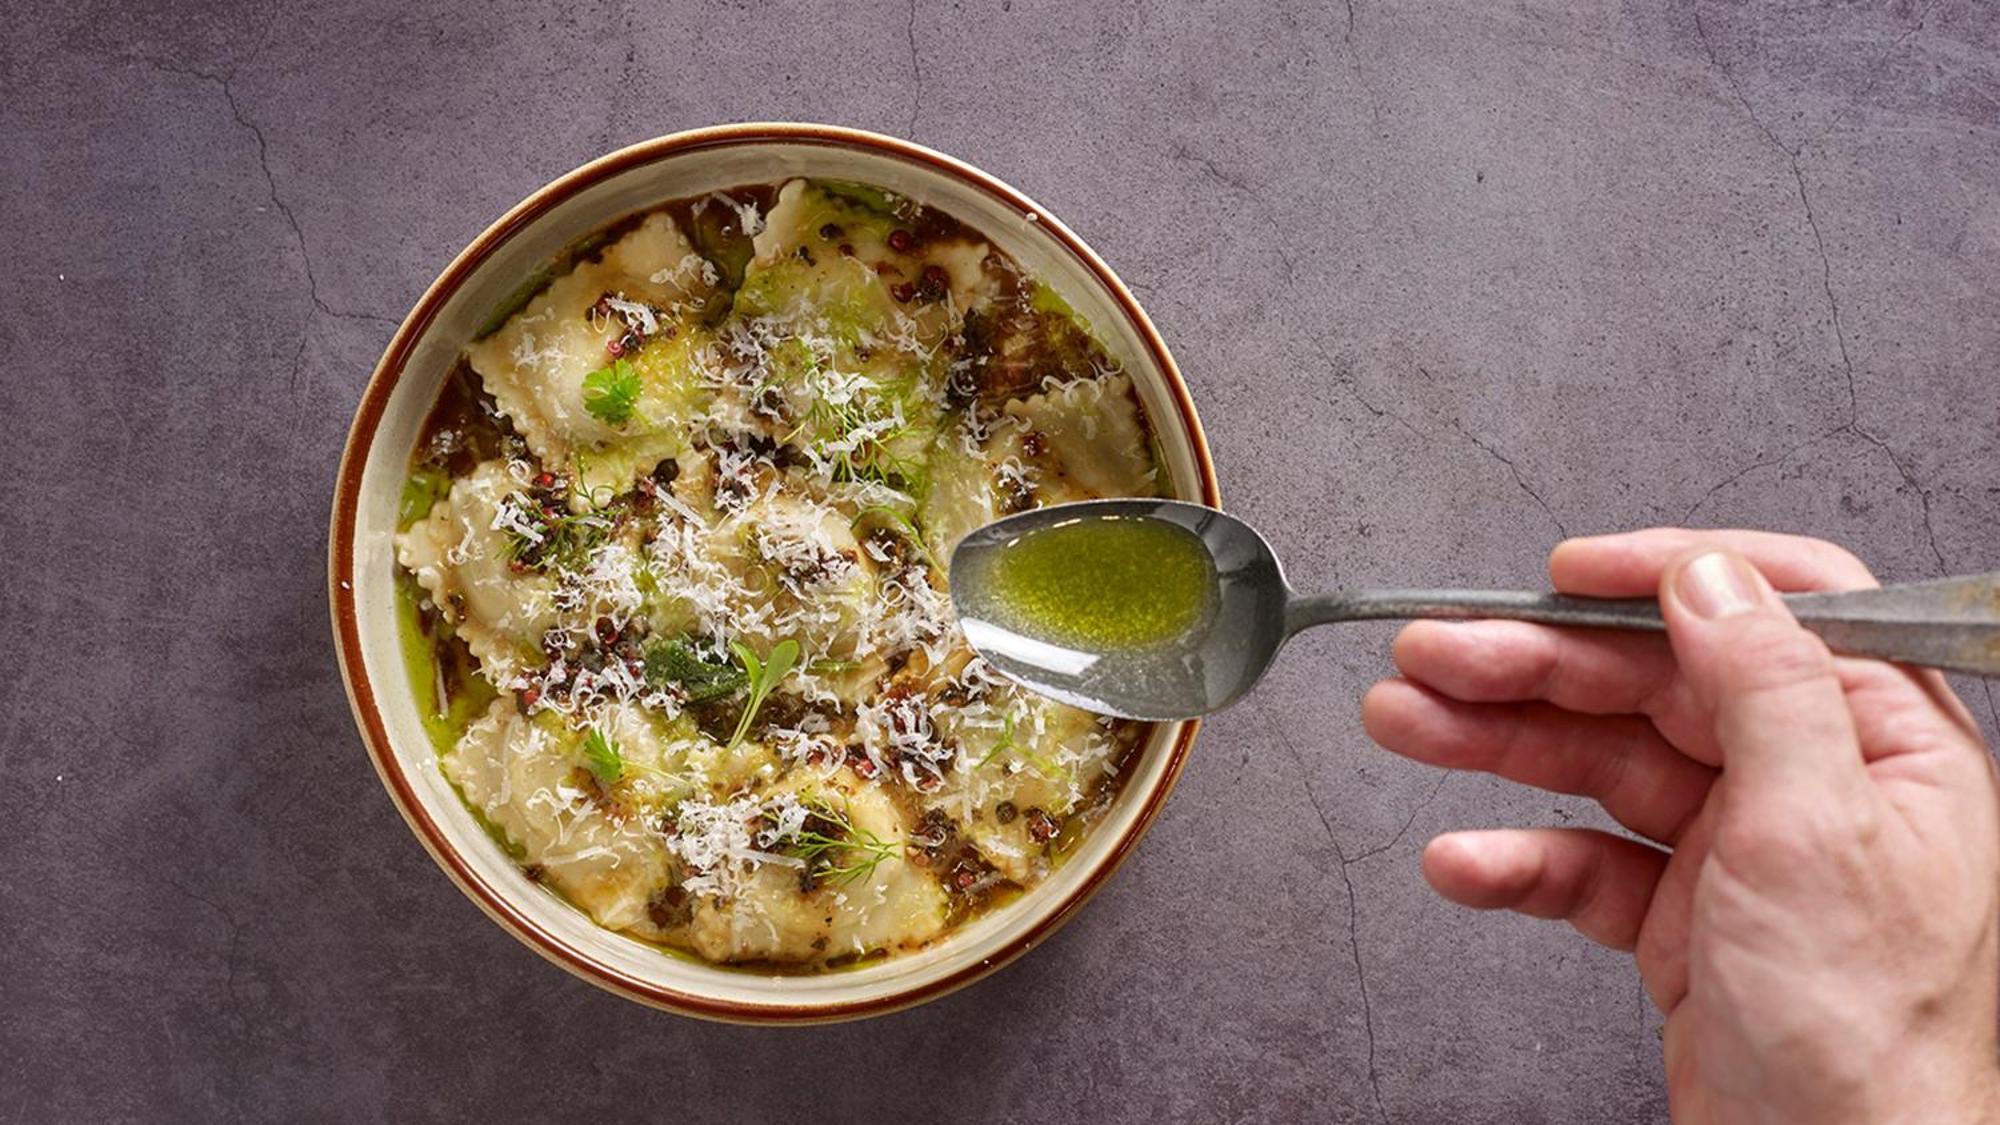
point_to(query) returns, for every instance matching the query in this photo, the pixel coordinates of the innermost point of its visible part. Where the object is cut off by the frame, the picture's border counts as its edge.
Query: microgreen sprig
(602, 754)
(763, 679)
(854, 434)
(1001, 745)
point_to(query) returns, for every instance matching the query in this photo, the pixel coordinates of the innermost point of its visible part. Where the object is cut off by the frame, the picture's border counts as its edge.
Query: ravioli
(1090, 437)
(532, 784)
(647, 286)
(694, 543)
(767, 917)
(781, 566)
(462, 554)
(1040, 764)
(856, 265)
(850, 307)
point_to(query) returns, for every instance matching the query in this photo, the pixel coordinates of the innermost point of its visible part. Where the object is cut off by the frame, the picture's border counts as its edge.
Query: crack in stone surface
(230, 959)
(1415, 810)
(1875, 79)
(1360, 975)
(1514, 471)
(1343, 862)
(1909, 478)
(291, 218)
(1853, 424)
(1343, 375)
(1746, 470)
(916, 72)
(1353, 54)
(225, 82)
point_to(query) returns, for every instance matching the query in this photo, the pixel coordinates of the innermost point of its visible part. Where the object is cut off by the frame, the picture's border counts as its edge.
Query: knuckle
(1771, 653)
(1756, 836)
(1544, 668)
(1501, 660)
(1789, 838)
(1586, 888)
(1758, 846)
(1606, 773)
(1489, 678)
(1516, 741)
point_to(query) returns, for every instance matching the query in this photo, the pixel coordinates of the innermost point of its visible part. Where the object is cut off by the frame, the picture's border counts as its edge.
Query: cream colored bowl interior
(644, 185)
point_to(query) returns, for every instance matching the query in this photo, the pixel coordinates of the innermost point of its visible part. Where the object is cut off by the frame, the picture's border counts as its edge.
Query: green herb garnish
(603, 756)
(901, 523)
(834, 848)
(611, 393)
(1007, 743)
(763, 676)
(677, 665)
(831, 424)
(567, 536)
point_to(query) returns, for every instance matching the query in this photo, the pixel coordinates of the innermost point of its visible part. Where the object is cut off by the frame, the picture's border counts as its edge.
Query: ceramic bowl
(361, 560)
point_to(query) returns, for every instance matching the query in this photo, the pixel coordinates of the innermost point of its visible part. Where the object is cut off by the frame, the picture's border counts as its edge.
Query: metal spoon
(1950, 623)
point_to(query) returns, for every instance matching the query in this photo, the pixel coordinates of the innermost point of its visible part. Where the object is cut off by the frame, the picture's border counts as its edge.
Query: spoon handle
(1948, 623)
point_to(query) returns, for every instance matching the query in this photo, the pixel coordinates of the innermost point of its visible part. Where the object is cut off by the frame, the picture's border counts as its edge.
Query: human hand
(1818, 922)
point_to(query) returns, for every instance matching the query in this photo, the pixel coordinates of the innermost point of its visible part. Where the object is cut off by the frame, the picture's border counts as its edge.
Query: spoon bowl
(1206, 669)
(1949, 623)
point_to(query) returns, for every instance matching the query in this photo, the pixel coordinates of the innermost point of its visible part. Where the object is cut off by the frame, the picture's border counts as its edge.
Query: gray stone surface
(1449, 280)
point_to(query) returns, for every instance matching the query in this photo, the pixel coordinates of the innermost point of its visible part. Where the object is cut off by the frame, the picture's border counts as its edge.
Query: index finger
(1629, 565)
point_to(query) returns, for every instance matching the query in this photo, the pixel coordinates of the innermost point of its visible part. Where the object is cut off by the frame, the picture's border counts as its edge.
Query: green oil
(448, 691)
(1106, 584)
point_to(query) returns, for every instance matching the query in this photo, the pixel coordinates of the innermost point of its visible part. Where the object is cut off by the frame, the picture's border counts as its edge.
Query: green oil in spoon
(1103, 584)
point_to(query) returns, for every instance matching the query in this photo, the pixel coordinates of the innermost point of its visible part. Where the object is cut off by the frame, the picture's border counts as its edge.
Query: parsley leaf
(763, 676)
(675, 664)
(601, 752)
(611, 393)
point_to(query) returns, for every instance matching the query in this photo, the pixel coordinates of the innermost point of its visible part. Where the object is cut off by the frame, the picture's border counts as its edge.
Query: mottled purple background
(1449, 280)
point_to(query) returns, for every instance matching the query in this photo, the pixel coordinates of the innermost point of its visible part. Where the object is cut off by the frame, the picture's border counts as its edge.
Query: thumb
(1780, 714)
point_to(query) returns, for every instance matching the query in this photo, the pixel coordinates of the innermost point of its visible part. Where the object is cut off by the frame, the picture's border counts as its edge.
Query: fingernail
(1718, 585)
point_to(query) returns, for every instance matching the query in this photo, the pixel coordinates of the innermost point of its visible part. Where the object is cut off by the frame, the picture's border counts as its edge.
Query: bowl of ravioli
(637, 570)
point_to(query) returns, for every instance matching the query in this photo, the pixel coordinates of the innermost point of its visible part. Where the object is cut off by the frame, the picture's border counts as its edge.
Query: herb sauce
(1107, 584)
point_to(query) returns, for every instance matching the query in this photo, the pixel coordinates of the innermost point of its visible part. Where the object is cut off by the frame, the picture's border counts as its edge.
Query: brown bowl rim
(346, 503)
